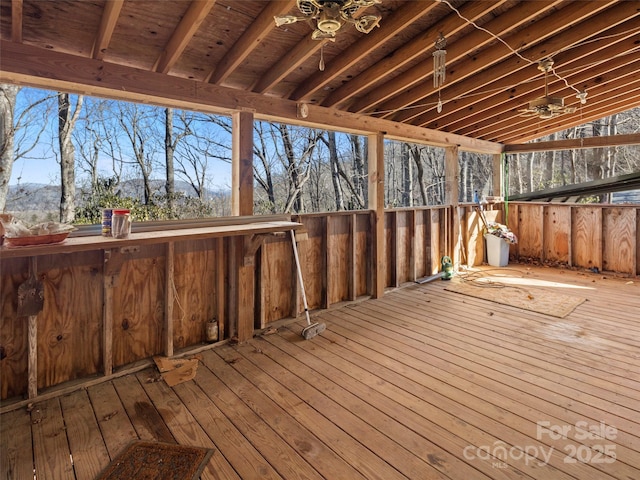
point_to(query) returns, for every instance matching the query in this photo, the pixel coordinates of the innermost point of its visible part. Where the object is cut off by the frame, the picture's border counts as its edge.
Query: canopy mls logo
(584, 443)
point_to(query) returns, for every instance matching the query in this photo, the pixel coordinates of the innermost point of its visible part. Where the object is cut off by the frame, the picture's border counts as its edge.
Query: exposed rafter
(393, 25)
(424, 42)
(188, 26)
(252, 36)
(475, 74)
(386, 73)
(16, 21)
(107, 25)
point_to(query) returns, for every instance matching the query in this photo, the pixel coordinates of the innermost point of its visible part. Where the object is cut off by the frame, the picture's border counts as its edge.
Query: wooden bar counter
(110, 303)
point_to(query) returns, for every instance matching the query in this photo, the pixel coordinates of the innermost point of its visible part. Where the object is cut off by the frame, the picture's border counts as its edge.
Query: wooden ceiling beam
(625, 91)
(575, 144)
(586, 63)
(420, 44)
(249, 40)
(287, 64)
(389, 27)
(16, 21)
(41, 68)
(474, 74)
(182, 35)
(591, 81)
(466, 50)
(108, 22)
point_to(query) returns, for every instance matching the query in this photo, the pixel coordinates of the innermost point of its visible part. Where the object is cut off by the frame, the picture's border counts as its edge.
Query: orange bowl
(35, 240)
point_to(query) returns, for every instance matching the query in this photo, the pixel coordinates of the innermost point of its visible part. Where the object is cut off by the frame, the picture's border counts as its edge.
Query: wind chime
(439, 67)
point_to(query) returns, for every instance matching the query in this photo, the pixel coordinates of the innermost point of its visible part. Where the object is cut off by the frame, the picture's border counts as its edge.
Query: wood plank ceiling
(388, 73)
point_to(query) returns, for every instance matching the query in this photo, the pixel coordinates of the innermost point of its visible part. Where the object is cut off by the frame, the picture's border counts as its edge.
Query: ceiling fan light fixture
(548, 107)
(328, 16)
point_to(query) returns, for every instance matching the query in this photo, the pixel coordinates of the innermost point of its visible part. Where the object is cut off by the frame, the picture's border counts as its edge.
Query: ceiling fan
(328, 16)
(546, 107)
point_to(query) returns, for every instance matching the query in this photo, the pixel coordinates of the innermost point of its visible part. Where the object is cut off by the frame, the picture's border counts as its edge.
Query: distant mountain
(38, 197)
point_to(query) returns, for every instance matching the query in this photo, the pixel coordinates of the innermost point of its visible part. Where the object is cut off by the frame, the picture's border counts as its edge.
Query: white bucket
(497, 251)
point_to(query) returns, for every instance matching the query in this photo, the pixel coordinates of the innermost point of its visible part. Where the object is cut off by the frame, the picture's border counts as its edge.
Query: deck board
(419, 384)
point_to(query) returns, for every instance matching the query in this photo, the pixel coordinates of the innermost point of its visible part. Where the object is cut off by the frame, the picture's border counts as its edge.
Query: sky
(40, 164)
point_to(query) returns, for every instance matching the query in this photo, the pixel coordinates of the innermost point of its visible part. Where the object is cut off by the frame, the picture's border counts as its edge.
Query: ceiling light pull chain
(321, 64)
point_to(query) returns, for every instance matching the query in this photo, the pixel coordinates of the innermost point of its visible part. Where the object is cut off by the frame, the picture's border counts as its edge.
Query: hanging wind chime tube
(439, 66)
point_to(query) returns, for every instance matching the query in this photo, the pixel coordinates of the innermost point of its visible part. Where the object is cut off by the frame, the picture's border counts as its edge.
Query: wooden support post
(328, 264)
(452, 194)
(393, 246)
(496, 175)
(353, 224)
(375, 144)
(412, 224)
(242, 312)
(169, 285)
(242, 163)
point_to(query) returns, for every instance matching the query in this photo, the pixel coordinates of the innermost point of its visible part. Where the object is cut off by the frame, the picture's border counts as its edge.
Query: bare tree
(20, 131)
(8, 95)
(139, 127)
(67, 120)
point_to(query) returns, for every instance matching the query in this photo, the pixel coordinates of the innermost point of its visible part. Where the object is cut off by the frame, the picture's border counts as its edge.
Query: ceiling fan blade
(366, 23)
(287, 20)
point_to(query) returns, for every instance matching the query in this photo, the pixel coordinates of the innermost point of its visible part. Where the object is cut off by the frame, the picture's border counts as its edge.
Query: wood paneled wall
(92, 294)
(606, 237)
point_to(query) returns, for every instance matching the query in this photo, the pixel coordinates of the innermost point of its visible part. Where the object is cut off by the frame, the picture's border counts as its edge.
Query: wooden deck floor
(421, 384)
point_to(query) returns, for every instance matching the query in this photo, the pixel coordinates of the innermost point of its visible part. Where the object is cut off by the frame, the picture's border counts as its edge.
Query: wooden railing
(109, 308)
(602, 237)
(113, 304)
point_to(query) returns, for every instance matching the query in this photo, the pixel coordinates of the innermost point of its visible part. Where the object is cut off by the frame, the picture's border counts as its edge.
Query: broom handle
(304, 295)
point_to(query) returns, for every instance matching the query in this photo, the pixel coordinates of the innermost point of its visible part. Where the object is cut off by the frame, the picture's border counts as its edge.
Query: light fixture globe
(328, 22)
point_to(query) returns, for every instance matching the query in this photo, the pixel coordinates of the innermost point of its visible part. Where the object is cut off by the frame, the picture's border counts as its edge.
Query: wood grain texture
(50, 441)
(196, 290)
(313, 262)
(421, 232)
(586, 237)
(474, 239)
(184, 428)
(115, 426)
(16, 454)
(13, 330)
(404, 246)
(277, 279)
(236, 448)
(619, 234)
(70, 325)
(530, 229)
(436, 238)
(138, 311)
(557, 233)
(390, 249)
(396, 388)
(85, 440)
(340, 258)
(363, 255)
